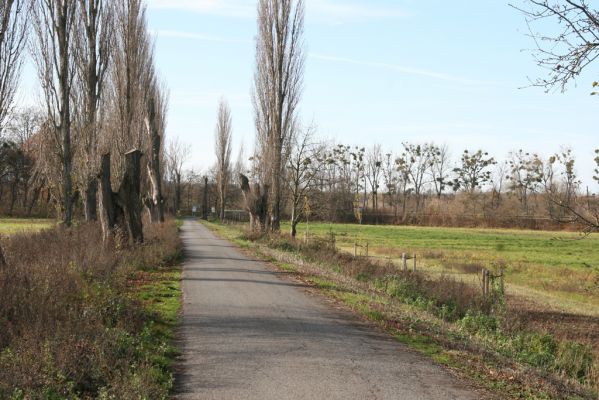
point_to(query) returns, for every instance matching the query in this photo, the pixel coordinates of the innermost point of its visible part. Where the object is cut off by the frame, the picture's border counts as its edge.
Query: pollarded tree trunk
(256, 203)
(122, 210)
(91, 206)
(130, 196)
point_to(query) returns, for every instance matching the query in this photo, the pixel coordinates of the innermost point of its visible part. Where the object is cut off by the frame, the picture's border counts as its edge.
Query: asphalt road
(251, 333)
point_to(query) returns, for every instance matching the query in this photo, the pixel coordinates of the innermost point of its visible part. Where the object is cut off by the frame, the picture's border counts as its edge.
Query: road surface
(250, 333)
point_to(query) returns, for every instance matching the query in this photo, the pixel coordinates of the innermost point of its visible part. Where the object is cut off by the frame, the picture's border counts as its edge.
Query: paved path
(248, 333)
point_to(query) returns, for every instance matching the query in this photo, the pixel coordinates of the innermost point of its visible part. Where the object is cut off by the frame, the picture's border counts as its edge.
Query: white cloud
(196, 36)
(406, 70)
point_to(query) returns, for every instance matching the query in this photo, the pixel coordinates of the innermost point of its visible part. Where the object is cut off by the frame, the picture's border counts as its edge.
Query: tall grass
(69, 325)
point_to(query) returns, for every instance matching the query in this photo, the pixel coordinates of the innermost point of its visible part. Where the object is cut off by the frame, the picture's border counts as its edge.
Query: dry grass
(69, 326)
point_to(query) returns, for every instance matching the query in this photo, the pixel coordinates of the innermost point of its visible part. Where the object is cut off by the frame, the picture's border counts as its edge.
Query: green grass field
(555, 268)
(10, 226)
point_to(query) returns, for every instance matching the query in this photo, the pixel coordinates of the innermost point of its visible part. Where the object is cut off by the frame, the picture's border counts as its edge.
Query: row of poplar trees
(104, 105)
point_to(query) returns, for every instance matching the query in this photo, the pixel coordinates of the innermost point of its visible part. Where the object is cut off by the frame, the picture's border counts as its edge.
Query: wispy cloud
(406, 70)
(196, 36)
(330, 11)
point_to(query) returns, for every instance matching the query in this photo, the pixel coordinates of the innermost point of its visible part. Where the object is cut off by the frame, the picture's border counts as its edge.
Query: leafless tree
(21, 128)
(565, 53)
(440, 168)
(526, 175)
(130, 79)
(155, 121)
(13, 34)
(53, 55)
(303, 166)
(277, 87)
(415, 161)
(391, 179)
(374, 166)
(222, 135)
(93, 38)
(177, 154)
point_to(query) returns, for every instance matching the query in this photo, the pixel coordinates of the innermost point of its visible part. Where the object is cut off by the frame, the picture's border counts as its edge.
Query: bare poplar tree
(93, 39)
(223, 154)
(13, 34)
(130, 74)
(155, 120)
(277, 87)
(54, 24)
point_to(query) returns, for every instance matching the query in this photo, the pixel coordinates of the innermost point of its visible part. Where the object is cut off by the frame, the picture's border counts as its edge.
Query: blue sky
(377, 71)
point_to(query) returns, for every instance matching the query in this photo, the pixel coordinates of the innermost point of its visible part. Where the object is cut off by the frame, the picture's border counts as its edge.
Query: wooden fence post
(414, 262)
(355, 249)
(366, 249)
(484, 282)
(404, 262)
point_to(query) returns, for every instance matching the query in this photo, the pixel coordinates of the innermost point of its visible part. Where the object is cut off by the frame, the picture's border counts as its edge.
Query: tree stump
(256, 202)
(122, 211)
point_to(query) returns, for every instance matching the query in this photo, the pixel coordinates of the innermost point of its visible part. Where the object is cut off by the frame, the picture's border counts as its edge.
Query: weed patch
(80, 321)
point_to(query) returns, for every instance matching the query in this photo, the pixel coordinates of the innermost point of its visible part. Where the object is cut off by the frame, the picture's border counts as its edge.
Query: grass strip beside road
(160, 294)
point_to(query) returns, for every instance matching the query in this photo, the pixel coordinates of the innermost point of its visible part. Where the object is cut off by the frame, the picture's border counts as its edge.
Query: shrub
(70, 328)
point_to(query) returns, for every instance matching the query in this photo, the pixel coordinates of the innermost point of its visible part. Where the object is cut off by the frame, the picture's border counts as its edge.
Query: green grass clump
(9, 226)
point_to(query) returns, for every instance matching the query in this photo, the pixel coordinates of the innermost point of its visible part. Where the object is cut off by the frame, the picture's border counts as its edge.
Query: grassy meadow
(559, 269)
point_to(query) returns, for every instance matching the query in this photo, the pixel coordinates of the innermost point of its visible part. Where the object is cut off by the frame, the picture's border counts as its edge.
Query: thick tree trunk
(36, 194)
(130, 196)
(13, 193)
(177, 193)
(122, 211)
(205, 200)
(65, 112)
(256, 203)
(91, 205)
(106, 199)
(275, 217)
(222, 195)
(157, 207)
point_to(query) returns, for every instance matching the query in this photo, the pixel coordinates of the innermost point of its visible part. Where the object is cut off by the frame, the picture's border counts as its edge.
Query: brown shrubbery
(446, 297)
(69, 325)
